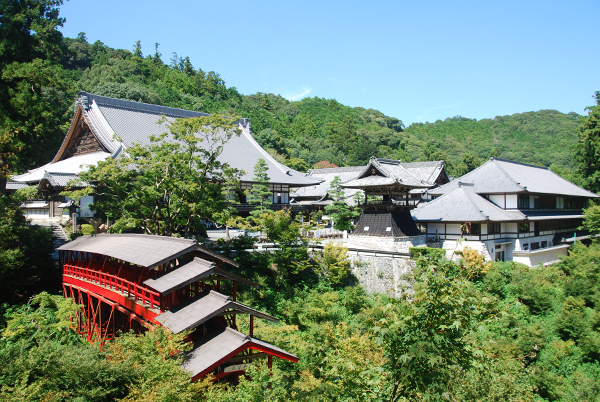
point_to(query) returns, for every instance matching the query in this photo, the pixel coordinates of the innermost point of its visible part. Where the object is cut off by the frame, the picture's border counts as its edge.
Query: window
(524, 227)
(535, 245)
(544, 244)
(525, 246)
(472, 228)
(494, 228)
(523, 202)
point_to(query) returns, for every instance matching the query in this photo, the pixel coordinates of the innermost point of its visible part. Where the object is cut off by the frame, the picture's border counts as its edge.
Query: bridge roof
(143, 250)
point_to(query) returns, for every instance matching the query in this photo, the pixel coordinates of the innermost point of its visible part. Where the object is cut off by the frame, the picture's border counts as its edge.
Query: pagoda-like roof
(198, 310)
(66, 167)
(387, 173)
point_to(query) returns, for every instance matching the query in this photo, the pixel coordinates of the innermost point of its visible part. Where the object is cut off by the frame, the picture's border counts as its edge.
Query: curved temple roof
(498, 176)
(119, 124)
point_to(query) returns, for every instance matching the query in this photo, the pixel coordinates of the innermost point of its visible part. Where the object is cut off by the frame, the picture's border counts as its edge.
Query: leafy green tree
(34, 91)
(168, 186)
(340, 212)
(588, 148)
(43, 358)
(426, 334)
(333, 264)
(467, 163)
(591, 219)
(259, 194)
(26, 264)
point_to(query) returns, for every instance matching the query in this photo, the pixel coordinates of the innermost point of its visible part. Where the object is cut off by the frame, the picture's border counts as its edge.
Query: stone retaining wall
(382, 274)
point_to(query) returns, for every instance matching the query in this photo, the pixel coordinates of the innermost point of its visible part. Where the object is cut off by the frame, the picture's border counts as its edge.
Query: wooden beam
(246, 357)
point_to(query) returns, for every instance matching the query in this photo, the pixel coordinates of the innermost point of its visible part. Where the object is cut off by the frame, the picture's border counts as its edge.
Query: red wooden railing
(146, 296)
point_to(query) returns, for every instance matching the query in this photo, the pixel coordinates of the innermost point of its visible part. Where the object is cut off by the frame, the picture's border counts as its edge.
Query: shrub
(87, 229)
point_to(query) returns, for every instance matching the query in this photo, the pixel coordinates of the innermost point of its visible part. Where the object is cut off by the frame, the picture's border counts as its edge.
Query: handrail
(137, 292)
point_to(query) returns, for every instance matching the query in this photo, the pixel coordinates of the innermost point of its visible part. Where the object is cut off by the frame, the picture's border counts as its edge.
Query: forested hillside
(300, 133)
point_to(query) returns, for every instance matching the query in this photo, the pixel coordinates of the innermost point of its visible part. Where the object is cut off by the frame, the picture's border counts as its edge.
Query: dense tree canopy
(168, 186)
(588, 148)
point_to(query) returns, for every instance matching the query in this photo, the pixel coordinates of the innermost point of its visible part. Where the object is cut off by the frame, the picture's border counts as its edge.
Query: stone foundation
(396, 244)
(388, 275)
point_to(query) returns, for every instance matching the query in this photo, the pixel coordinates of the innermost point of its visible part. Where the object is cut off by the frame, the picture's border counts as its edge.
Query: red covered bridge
(130, 281)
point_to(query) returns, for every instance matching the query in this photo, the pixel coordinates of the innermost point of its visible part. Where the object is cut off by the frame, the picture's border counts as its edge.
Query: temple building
(105, 127)
(135, 282)
(387, 197)
(508, 211)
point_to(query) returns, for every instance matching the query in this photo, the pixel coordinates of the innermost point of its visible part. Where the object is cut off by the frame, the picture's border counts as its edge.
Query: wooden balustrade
(146, 296)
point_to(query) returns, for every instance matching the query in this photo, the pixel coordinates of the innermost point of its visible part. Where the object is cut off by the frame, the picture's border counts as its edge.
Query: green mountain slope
(305, 132)
(544, 138)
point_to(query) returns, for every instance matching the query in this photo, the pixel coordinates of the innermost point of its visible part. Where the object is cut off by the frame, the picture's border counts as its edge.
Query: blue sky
(415, 60)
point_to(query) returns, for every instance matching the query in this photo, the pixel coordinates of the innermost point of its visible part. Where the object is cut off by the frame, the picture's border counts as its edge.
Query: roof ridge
(473, 203)
(518, 163)
(166, 238)
(139, 106)
(507, 175)
(219, 295)
(238, 334)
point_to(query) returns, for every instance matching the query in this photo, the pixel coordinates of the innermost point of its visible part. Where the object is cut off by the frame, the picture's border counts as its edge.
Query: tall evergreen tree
(259, 193)
(34, 90)
(588, 148)
(341, 213)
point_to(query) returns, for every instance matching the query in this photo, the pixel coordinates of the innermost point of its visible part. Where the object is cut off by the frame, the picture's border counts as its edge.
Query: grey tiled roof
(185, 274)
(72, 165)
(386, 224)
(321, 190)
(60, 179)
(194, 312)
(135, 122)
(15, 185)
(221, 346)
(428, 171)
(144, 250)
(463, 205)
(392, 172)
(498, 176)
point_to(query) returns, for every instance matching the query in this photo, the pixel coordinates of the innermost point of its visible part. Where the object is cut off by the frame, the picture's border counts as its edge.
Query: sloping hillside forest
(464, 331)
(300, 133)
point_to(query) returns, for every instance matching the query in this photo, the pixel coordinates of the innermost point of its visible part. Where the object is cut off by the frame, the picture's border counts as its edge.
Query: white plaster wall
(451, 246)
(541, 256)
(453, 228)
(511, 227)
(498, 199)
(511, 201)
(433, 227)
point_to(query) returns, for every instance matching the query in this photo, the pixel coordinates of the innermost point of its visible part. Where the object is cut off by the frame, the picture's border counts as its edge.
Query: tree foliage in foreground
(168, 186)
(26, 265)
(470, 331)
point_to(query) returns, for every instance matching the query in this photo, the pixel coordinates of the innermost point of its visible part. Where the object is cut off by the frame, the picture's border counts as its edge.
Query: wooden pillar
(234, 290)
(251, 325)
